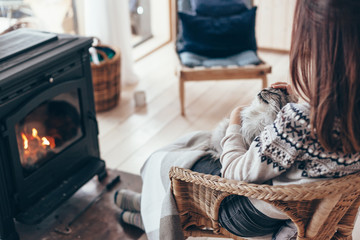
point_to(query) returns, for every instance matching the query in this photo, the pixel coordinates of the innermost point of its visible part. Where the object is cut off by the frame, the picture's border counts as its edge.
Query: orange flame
(34, 147)
(34, 133)
(45, 141)
(37, 140)
(25, 140)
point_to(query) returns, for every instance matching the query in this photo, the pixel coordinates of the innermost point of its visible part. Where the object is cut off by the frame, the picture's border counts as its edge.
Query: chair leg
(264, 81)
(346, 224)
(182, 95)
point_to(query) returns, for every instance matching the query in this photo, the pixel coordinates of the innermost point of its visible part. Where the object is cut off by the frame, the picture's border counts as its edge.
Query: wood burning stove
(48, 128)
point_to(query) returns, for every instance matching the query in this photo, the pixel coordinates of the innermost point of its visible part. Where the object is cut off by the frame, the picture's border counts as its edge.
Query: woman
(319, 138)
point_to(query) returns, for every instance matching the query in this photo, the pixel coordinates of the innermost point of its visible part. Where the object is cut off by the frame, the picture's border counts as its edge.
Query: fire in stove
(46, 131)
(35, 148)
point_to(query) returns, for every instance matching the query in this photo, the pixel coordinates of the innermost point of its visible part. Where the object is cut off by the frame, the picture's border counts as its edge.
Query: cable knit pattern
(289, 140)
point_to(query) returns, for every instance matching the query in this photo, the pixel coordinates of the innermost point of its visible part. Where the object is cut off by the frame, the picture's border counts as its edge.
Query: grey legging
(237, 214)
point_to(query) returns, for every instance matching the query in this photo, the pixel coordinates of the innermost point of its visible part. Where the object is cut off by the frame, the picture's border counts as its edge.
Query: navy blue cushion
(218, 8)
(218, 36)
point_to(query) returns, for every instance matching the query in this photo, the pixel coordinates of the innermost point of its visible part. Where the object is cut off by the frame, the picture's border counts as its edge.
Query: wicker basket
(106, 79)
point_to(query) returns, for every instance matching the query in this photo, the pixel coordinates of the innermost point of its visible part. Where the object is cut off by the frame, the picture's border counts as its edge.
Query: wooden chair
(320, 210)
(186, 74)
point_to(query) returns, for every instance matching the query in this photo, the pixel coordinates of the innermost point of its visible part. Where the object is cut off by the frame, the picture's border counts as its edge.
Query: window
(158, 25)
(50, 15)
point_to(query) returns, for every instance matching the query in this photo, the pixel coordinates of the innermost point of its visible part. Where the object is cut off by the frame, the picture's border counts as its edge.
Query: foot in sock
(132, 218)
(128, 200)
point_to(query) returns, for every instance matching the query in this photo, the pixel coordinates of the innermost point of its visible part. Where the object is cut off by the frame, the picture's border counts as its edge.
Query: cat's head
(275, 98)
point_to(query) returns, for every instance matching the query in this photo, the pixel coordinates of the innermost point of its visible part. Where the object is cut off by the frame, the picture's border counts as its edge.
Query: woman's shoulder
(297, 110)
(293, 131)
(293, 117)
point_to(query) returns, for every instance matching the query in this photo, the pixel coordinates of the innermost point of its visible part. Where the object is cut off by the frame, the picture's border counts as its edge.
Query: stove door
(50, 137)
(48, 130)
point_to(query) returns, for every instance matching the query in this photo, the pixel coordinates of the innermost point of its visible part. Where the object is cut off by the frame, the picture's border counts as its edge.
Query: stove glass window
(47, 130)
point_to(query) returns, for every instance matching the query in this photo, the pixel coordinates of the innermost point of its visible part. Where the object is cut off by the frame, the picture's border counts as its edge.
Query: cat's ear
(283, 90)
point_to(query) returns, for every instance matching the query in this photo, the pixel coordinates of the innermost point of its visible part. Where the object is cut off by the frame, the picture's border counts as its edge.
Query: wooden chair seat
(186, 74)
(320, 210)
(225, 73)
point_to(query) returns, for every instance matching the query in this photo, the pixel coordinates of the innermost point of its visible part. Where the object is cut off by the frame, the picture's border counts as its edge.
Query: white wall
(160, 19)
(274, 23)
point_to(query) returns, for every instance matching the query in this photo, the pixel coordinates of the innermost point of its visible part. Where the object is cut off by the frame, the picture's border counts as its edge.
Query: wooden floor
(128, 135)
(99, 222)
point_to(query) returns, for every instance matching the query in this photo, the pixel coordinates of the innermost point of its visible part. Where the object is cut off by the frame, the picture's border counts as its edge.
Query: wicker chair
(186, 74)
(320, 210)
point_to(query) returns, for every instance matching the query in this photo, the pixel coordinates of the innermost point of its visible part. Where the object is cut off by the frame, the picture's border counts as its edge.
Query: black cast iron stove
(48, 128)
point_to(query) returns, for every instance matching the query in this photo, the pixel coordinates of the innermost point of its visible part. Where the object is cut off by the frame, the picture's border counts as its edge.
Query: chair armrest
(316, 208)
(293, 192)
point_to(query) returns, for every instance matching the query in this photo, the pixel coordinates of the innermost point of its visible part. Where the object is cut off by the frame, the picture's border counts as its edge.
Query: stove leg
(7, 230)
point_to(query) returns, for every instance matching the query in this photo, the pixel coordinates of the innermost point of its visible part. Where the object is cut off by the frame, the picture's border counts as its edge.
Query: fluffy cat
(254, 118)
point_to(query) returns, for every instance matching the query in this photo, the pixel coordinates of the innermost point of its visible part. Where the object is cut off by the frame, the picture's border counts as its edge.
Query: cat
(260, 113)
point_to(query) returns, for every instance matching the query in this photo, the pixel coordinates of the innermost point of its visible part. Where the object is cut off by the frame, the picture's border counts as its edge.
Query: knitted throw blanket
(158, 208)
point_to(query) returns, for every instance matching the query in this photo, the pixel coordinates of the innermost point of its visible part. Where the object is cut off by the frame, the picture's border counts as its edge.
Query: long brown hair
(325, 69)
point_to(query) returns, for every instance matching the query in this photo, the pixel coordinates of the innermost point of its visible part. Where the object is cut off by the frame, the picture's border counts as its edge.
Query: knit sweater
(284, 153)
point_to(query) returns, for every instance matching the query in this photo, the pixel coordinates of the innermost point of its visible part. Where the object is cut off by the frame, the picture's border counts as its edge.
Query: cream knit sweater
(284, 153)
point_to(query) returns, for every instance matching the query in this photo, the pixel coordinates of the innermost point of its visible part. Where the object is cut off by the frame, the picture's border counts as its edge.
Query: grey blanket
(158, 208)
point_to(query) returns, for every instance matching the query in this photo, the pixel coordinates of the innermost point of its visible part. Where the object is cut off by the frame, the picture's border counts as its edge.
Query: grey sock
(128, 200)
(132, 218)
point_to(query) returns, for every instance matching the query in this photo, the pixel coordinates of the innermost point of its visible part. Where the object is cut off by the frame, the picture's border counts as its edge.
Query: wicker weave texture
(107, 80)
(320, 210)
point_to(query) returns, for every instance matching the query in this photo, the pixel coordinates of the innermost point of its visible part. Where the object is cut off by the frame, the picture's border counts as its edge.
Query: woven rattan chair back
(320, 210)
(186, 74)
